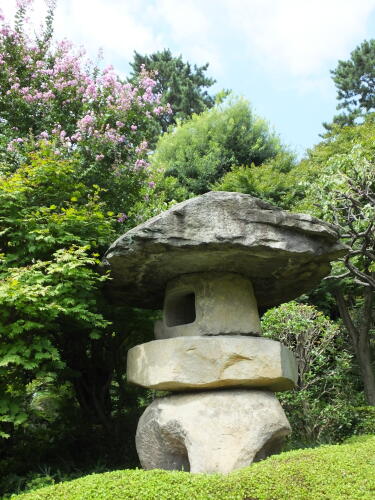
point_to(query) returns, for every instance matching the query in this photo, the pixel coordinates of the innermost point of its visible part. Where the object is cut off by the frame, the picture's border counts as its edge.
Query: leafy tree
(50, 92)
(182, 86)
(321, 407)
(355, 83)
(200, 151)
(276, 180)
(54, 317)
(343, 193)
(346, 194)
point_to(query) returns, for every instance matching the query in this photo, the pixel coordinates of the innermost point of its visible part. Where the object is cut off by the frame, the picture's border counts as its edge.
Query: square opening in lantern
(180, 309)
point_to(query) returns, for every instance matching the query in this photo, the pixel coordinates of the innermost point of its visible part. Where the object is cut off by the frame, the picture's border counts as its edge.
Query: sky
(276, 53)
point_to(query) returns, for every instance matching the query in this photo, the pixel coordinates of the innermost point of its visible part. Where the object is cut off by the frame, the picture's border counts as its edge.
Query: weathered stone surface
(209, 304)
(186, 363)
(211, 432)
(282, 253)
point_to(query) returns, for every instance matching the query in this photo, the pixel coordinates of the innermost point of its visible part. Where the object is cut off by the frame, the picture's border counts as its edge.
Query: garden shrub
(328, 472)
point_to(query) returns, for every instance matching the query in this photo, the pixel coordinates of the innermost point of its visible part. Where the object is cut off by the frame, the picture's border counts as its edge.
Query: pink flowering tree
(50, 92)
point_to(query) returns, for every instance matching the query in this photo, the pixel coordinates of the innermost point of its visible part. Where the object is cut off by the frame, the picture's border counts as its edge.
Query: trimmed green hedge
(345, 471)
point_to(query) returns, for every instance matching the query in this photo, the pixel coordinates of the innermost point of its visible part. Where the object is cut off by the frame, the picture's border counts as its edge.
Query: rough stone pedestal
(211, 431)
(210, 262)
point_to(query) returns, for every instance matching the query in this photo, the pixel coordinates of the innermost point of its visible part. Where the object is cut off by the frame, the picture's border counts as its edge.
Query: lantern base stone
(211, 431)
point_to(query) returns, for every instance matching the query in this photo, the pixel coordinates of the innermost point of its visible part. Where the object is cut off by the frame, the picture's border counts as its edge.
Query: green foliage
(275, 180)
(349, 174)
(335, 472)
(182, 87)
(341, 140)
(62, 345)
(44, 207)
(321, 408)
(366, 419)
(344, 193)
(51, 230)
(355, 83)
(200, 151)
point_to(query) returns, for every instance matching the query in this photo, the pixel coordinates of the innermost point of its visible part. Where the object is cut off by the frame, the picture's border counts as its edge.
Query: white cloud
(118, 27)
(300, 36)
(190, 28)
(294, 41)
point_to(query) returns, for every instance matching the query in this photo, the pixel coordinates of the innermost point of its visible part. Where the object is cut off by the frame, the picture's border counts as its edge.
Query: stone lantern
(210, 262)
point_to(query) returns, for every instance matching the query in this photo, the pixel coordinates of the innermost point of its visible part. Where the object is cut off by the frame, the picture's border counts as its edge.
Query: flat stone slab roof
(284, 254)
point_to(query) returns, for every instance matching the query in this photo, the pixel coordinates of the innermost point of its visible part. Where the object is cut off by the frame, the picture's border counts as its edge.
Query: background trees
(201, 150)
(321, 409)
(345, 194)
(277, 180)
(355, 83)
(181, 85)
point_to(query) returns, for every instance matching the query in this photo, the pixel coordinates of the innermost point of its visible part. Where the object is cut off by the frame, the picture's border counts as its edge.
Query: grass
(330, 472)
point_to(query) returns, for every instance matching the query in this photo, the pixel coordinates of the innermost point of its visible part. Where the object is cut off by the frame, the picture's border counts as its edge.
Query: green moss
(343, 471)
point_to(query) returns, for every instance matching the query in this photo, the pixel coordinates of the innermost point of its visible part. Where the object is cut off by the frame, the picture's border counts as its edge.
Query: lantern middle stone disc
(192, 363)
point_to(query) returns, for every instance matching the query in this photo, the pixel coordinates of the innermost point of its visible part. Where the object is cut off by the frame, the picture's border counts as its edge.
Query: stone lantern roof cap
(284, 254)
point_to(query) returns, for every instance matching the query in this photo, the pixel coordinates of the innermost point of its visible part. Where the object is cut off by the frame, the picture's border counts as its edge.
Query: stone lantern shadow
(210, 262)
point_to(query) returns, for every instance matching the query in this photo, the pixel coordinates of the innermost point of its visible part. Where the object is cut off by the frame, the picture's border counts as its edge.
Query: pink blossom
(151, 184)
(62, 78)
(11, 145)
(56, 129)
(85, 122)
(76, 137)
(142, 147)
(5, 31)
(91, 91)
(22, 4)
(141, 164)
(158, 110)
(122, 217)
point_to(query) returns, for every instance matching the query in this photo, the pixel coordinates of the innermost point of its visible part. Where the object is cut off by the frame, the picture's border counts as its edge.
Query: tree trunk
(360, 338)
